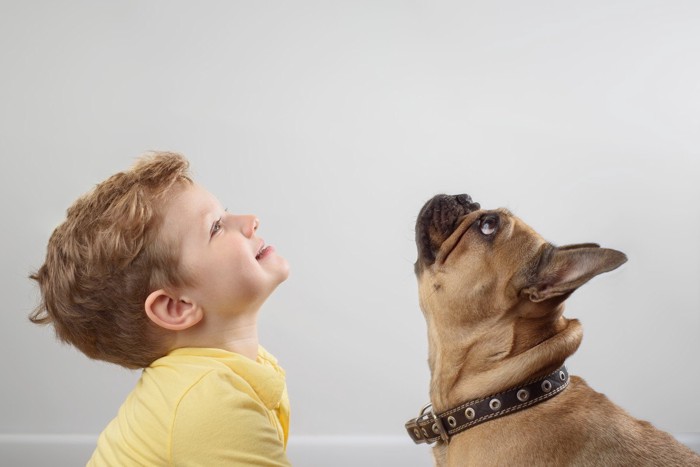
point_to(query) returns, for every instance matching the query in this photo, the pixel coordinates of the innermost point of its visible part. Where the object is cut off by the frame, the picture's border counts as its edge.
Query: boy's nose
(250, 225)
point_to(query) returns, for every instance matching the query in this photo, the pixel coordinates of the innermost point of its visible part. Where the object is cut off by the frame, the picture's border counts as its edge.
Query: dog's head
(475, 264)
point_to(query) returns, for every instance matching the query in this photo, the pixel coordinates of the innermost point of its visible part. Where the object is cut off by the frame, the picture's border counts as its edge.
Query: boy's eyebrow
(208, 218)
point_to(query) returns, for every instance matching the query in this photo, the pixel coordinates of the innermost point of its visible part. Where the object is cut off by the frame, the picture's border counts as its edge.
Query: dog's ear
(563, 270)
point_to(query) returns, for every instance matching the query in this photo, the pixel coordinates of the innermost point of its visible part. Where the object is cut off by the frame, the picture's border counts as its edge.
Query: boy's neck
(248, 347)
(240, 338)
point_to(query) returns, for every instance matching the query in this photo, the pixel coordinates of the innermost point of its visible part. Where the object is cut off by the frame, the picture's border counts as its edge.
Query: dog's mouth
(437, 220)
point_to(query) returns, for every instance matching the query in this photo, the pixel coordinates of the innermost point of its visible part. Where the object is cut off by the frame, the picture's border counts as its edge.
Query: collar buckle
(419, 428)
(437, 423)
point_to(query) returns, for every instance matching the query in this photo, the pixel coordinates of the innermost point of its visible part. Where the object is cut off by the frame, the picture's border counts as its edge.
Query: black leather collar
(429, 428)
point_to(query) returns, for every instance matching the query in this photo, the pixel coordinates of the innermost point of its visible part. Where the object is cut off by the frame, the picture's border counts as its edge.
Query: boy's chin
(281, 269)
(278, 279)
(284, 274)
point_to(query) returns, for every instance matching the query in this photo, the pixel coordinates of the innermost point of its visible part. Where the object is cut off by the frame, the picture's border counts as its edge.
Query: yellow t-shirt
(201, 407)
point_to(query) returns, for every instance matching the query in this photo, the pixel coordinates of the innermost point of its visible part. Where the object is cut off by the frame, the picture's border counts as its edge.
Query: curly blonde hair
(106, 257)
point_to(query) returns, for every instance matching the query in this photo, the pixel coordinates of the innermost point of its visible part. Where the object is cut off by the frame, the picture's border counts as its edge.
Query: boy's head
(233, 272)
(106, 258)
(142, 258)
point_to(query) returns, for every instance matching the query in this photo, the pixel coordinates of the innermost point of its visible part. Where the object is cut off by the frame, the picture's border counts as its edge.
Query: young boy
(149, 271)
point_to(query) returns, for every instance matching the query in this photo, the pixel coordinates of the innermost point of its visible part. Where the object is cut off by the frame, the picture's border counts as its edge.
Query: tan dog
(492, 292)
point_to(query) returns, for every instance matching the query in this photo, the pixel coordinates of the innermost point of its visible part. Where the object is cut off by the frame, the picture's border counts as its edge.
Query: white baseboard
(19, 450)
(351, 451)
(22, 450)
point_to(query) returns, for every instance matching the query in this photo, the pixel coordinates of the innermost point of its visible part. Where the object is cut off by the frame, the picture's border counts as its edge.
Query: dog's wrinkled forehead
(436, 221)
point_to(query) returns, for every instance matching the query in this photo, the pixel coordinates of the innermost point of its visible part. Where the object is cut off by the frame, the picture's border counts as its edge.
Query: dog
(492, 291)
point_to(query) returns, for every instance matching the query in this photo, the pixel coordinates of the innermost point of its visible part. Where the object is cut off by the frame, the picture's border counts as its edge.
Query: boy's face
(233, 271)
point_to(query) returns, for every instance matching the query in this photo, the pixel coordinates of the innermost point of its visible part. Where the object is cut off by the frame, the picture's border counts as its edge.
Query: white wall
(334, 122)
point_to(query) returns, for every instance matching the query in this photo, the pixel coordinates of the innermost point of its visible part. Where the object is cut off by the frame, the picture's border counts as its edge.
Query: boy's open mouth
(261, 252)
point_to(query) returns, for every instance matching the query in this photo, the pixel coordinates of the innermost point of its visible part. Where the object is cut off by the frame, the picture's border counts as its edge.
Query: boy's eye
(216, 227)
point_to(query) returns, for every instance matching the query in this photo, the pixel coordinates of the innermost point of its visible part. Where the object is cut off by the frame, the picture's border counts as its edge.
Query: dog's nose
(466, 201)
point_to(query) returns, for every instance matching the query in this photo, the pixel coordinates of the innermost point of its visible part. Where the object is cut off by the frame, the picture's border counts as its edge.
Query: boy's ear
(170, 312)
(566, 268)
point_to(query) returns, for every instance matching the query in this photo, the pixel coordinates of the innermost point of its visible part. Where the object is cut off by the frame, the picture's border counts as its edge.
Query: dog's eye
(488, 224)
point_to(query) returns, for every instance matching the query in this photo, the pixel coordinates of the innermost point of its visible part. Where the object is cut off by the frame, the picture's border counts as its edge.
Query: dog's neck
(487, 359)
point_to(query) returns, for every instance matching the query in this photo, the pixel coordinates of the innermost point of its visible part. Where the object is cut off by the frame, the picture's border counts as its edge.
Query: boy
(149, 271)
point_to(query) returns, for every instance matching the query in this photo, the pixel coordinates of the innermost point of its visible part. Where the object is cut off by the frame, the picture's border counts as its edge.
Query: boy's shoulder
(193, 397)
(206, 372)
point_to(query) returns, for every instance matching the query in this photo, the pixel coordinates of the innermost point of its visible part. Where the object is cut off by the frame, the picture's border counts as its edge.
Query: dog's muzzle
(437, 219)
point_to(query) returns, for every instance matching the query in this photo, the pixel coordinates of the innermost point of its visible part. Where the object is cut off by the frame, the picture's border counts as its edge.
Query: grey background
(334, 122)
